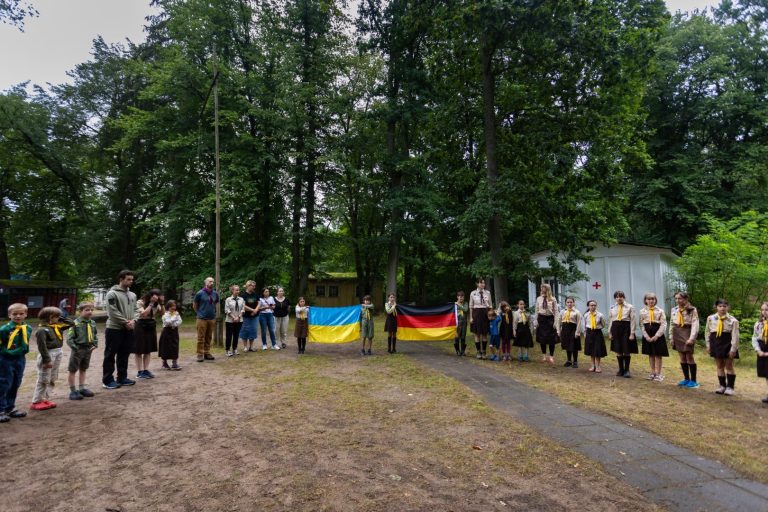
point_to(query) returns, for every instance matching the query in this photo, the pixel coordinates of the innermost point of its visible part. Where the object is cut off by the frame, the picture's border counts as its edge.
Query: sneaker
(620, 373)
(693, 384)
(592, 369)
(683, 383)
(658, 378)
(4, 418)
(263, 347)
(229, 353)
(200, 359)
(111, 385)
(493, 358)
(568, 364)
(148, 374)
(526, 359)
(651, 376)
(479, 355)
(127, 382)
(18, 414)
(175, 366)
(369, 352)
(362, 352)
(598, 370)
(41, 406)
(275, 347)
(209, 357)
(283, 345)
(48, 403)
(765, 400)
(728, 392)
(87, 393)
(74, 395)
(234, 352)
(520, 359)
(720, 390)
(165, 366)
(141, 375)
(575, 365)
(627, 375)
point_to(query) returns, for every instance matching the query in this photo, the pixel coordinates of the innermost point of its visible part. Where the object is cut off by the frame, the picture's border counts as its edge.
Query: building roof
(598, 247)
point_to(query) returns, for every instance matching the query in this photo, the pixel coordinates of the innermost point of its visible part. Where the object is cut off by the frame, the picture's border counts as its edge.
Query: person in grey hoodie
(118, 336)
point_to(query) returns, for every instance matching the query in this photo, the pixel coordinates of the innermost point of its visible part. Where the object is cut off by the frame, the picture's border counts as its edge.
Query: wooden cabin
(36, 295)
(341, 289)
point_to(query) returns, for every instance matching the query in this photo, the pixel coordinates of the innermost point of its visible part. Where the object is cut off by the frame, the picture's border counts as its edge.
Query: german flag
(436, 323)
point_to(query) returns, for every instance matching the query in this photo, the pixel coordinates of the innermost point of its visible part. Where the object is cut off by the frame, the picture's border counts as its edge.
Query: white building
(633, 269)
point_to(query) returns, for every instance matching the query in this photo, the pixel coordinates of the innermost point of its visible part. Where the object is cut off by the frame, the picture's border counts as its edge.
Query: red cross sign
(596, 286)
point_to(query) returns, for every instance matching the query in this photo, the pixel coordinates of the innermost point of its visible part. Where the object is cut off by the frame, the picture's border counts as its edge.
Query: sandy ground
(274, 431)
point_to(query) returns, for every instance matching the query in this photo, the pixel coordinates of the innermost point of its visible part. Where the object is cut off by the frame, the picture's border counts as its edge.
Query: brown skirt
(301, 329)
(679, 336)
(480, 324)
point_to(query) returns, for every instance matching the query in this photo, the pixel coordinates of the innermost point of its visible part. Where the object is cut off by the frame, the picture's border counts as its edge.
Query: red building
(36, 295)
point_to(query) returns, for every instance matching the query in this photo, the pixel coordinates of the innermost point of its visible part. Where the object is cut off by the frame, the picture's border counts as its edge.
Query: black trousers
(117, 348)
(231, 334)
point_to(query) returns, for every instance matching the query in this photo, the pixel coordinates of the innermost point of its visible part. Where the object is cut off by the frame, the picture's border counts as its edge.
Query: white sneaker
(275, 347)
(234, 352)
(728, 392)
(263, 347)
(720, 390)
(229, 353)
(651, 376)
(658, 378)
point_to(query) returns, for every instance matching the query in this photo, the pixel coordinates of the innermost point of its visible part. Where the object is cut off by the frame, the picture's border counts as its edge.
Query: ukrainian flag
(334, 325)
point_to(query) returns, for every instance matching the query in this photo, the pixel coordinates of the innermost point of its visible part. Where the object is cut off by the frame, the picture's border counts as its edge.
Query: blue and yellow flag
(334, 325)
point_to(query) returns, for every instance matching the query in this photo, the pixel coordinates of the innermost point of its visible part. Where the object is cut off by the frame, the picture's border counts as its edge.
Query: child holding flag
(301, 329)
(390, 324)
(760, 344)
(460, 342)
(366, 324)
(14, 345)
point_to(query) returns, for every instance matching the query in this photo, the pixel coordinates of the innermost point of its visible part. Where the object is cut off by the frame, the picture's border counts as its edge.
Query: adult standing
(479, 304)
(150, 307)
(119, 336)
(204, 305)
(267, 319)
(282, 308)
(233, 309)
(249, 329)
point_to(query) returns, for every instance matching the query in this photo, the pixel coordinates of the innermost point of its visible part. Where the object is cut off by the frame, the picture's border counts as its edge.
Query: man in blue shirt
(204, 305)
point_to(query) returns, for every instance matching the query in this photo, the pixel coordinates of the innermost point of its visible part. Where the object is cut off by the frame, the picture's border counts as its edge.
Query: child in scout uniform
(479, 304)
(505, 330)
(494, 321)
(594, 340)
(760, 344)
(570, 332)
(547, 315)
(390, 323)
(622, 333)
(14, 345)
(366, 324)
(683, 329)
(460, 342)
(653, 325)
(301, 329)
(82, 340)
(521, 331)
(168, 345)
(723, 344)
(49, 342)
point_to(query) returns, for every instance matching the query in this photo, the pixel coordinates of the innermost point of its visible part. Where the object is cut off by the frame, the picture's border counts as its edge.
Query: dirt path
(272, 431)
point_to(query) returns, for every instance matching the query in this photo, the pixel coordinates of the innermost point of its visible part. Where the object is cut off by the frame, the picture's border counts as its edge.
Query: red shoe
(39, 406)
(50, 404)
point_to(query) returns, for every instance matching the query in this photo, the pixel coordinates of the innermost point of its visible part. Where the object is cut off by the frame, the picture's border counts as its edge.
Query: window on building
(320, 290)
(333, 291)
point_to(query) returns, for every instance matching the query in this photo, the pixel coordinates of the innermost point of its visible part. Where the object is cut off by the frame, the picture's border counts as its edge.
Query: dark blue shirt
(206, 305)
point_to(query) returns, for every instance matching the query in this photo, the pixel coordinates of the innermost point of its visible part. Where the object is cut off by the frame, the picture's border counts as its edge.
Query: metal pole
(219, 324)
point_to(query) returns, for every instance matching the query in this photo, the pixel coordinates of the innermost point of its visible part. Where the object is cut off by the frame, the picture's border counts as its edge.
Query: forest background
(419, 143)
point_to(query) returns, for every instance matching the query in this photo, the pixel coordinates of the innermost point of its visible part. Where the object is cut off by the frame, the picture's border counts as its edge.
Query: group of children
(552, 325)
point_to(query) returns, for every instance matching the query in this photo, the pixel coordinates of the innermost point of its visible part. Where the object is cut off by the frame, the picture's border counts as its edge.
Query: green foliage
(730, 261)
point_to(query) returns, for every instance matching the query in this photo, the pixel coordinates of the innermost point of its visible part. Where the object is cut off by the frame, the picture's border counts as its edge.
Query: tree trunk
(395, 218)
(296, 224)
(489, 124)
(5, 264)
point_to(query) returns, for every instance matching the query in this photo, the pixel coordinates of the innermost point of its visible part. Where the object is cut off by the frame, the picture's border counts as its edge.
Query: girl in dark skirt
(683, 330)
(760, 344)
(594, 340)
(653, 324)
(521, 331)
(169, 338)
(622, 333)
(546, 313)
(301, 329)
(505, 330)
(723, 344)
(390, 323)
(570, 333)
(479, 304)
(150, 308)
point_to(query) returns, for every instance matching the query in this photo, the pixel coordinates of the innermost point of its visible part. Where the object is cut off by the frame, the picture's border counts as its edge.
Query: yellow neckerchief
(593, 320)
(506, 317)
(567, 316)
(680, 321)
(89, 331)
(57, 329)
(522, 317)
(620, 313)
(24, 335)
(765, 329)
(720, 325)
(367, 313)
(303, 314)
(650, 313)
